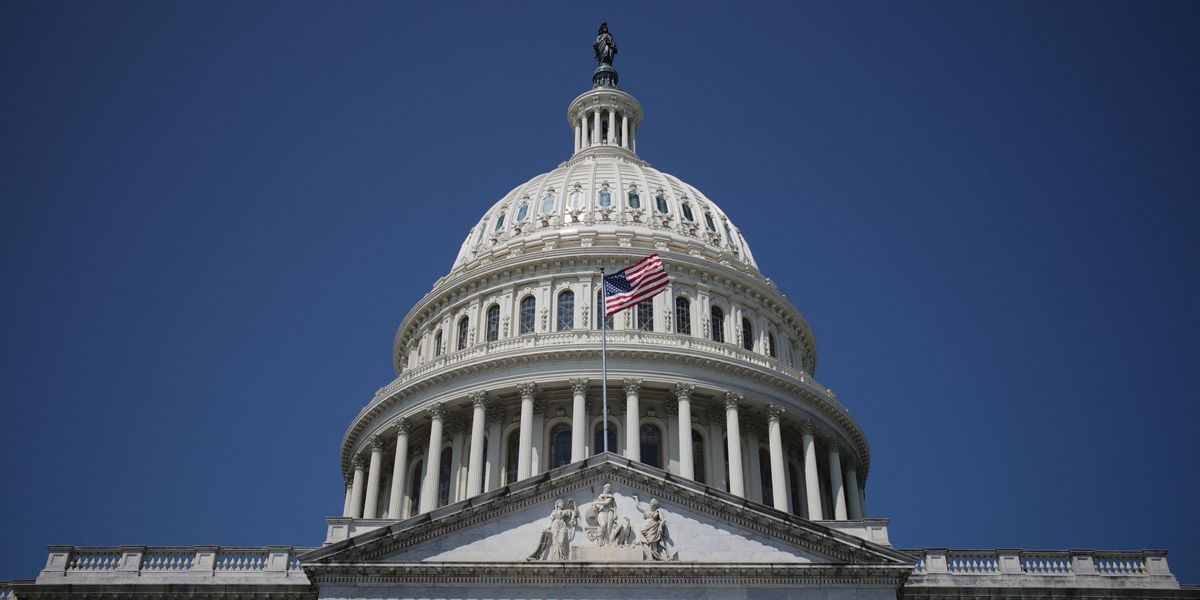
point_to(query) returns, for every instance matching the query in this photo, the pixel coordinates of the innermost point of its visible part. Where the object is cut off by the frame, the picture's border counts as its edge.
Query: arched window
(500, 222)
(444, 477)
(523, 211)
(718, 324)
(764, 475)
(510, 462)
(598, 438)
(548, 204)
(528, 308)
(687, 212)
(660, 202)
(645, 315)
(605, 199)
(635, 201)
(462, 332)
(771, 345)
(566, 310)
(493, 323)
(560, 446)
(698, 464)
(747, 334)
(651, 442)
(683, 315)
(708, 222)
(414, 488)
(608, 320)
(437, 343)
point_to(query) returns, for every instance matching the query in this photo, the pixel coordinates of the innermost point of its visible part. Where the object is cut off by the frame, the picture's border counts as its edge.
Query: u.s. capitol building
(480, 471)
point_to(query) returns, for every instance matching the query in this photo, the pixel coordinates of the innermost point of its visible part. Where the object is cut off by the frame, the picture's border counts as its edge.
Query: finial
(606, 50)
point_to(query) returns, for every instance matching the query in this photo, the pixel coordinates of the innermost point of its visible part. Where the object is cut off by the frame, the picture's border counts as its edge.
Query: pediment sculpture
(608, 535)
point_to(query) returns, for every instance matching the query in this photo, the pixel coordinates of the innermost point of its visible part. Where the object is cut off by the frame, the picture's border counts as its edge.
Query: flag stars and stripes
(634, 284)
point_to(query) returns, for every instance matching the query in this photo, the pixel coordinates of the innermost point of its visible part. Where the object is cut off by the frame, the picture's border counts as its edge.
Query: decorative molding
(631, 386)
(579, 386)
(527, 390)
(479, 399)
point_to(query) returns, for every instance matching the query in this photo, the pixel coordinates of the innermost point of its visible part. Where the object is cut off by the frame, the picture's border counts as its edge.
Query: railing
(1007, 567)
(178, 564)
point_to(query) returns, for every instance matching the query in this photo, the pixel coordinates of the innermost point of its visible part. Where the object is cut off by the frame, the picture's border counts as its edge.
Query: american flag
(633, 284)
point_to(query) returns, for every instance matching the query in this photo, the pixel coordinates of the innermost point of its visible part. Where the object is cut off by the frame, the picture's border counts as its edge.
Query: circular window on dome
(708, 222)
(687, 212)
(499, 221)
(635, 201)
(660, 201)
(523, 211)
(605, 199)
(548, 203)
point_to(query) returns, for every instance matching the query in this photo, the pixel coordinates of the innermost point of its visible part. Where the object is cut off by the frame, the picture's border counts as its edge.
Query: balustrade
(149, 565)
(1056, 567)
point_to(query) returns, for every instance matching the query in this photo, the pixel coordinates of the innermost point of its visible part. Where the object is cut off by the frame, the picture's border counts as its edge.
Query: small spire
(606, 50)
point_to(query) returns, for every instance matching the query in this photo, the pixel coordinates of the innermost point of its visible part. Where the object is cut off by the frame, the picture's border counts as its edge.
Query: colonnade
(598, 126)
(836, 496)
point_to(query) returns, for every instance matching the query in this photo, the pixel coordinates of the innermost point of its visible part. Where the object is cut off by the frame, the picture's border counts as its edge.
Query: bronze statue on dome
(605, 46)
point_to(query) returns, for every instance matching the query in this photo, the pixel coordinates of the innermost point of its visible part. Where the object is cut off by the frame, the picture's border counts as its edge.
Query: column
(578, 419)
(835, 482)
(399, 469)
(812, 484)
(347, 503)
(584, 140)
(356, 489)
(633, 140)
(612, 126)
(494, 444)
(633, 438)
(524, 450)
(475, 463)
(778, 472)
(596, 127)
(850, 466)
(539, 459)
(624, 130)
(683, 394)
(429, 487)
(577, 138)
(458, 466)
(733, 437)
(371, 510)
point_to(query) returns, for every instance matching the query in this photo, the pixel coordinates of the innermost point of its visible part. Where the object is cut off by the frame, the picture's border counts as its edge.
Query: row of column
(589, 130)
(362, 498)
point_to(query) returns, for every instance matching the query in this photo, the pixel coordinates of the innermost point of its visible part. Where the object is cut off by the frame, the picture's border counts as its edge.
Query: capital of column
(732, 399)
(403, 427)
(479, 399)
(359, 463)
(437, 411)
(831, 443)
(579, 386)
(527, 390)
(775, 413)
(683, 391)
(807, 428)
(377, 442)
(632, 386)
(849, 461)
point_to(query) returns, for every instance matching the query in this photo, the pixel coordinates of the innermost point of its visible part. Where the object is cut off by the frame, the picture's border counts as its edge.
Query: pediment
(515, 523)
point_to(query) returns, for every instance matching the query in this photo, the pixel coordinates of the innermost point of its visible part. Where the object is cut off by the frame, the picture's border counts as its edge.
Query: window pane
(528, 308)
(500, 222)
(651, 445)
(687, 212)
(523, 211)
(437, 344)
(634, 200)
(708, 222)
(605, 199)
(575, 198)
(462, 332)
(560, 446)
(661, 202)
(771, 345)
(683, 316)
(547, 204)
(566, 311)
(718, 325)
(747, 335)
(645, 315)
(493, 323)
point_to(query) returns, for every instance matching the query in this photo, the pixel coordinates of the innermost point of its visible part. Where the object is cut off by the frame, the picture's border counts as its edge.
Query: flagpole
(604, 354)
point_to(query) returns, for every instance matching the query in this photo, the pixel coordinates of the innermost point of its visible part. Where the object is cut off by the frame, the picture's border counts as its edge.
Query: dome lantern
(605, 116)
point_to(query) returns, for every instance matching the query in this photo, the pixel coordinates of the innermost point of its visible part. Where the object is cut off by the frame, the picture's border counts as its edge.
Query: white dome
(603, 193)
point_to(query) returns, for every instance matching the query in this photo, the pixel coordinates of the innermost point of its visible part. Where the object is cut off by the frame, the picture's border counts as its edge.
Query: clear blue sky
(216, 214)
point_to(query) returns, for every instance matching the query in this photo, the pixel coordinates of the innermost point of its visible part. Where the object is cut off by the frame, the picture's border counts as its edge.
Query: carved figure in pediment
(555, 543)
(656, 540)
(605, 528)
